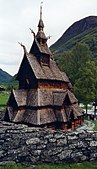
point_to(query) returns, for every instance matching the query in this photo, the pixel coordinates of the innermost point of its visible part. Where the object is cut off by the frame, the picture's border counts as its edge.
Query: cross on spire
(41, 11)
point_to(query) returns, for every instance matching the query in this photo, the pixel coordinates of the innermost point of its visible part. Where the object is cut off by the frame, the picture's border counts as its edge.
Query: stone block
(93, 143)
(61, 141)
(33, 141)
(65, 154)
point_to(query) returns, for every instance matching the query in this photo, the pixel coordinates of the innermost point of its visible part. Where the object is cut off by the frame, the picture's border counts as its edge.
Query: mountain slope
(4, 76)
(84, 31)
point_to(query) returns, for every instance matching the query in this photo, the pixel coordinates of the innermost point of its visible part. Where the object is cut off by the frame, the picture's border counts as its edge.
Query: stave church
(44, 97)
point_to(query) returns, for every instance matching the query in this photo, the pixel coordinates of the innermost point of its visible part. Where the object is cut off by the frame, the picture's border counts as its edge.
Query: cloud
(16, 17)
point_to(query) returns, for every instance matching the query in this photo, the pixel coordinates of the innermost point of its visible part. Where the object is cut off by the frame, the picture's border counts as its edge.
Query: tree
(85, 85)
(82, 72)
(72, 61)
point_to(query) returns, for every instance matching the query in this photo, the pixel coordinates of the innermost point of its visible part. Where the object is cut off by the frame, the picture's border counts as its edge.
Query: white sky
(17, 16)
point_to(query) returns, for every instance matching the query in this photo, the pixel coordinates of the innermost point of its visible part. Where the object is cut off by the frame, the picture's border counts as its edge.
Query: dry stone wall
(24, 144)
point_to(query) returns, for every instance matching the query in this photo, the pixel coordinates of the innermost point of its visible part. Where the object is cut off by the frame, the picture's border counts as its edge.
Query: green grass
(4, 97)
(84, 165)
(14, 166)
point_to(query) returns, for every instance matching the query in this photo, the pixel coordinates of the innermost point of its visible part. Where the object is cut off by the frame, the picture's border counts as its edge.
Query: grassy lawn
(3, 99)
(85, 165)
(14, 166)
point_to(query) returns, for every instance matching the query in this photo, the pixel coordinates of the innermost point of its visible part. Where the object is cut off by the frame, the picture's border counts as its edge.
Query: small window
(45, 60)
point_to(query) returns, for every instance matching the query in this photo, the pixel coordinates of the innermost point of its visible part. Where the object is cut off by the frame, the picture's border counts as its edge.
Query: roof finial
(25, 51)
(41, 11)
(32, 32)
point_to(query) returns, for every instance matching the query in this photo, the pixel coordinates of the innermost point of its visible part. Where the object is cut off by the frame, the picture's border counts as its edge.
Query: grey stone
(93, 143)
(61, 142)
(72, 146)
(81, 144)
(77, 154)
(40, 147)
(50, 145)
(34, 145)
(78, 157)
(6, 162)
(2, 131)
(52, 140)
(89, 139)
(1, 142)
(60, 135)
(43, 141)
(82, 135)
(65, 154)
(34, 159)
(83, 158)
(13, 131)
(36, 152)
(54, 151)
(48, 136)
(72, 139)
(93, 155)
(33, 141)
(2, 153)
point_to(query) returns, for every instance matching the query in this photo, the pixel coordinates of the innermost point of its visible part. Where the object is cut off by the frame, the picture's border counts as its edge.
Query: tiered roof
(50, 72)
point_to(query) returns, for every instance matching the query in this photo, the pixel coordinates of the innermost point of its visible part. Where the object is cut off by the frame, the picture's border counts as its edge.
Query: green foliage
(95, 128)
(81, 69)
(85, 85)
(84, 165)
(71, 61)
(10, 85)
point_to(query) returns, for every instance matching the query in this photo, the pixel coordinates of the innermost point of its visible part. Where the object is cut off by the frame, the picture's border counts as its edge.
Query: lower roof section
(43, 115)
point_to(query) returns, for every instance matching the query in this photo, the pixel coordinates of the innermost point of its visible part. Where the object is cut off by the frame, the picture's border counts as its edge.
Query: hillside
(84, 31)
(4, 76)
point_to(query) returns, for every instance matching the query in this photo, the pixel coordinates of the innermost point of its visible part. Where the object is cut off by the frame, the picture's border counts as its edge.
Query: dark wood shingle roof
(20, 97)
(72, 97)
(43, 48)
(38, 107)
(42, 97)
(50, 72)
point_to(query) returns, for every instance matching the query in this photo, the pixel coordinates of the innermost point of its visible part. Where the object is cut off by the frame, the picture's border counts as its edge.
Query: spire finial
(41, 11)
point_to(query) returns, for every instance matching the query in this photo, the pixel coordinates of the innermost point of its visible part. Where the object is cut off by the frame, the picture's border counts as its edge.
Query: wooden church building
(44, 97)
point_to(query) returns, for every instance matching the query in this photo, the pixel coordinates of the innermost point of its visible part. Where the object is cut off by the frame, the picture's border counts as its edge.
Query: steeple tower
(40, 34)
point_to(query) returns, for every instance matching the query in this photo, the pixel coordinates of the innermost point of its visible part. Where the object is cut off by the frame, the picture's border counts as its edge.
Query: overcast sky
(17, 16)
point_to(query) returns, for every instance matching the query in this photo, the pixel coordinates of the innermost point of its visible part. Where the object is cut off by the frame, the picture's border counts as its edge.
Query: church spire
(41, 11)
(40, 24)
(40, 34)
